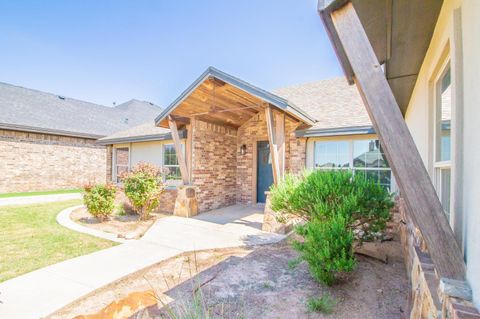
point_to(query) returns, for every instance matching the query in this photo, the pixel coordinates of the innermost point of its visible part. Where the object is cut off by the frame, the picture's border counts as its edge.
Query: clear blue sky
(114, 50)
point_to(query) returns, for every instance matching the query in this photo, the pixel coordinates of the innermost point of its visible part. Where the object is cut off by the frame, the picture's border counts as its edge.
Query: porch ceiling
(219, 98)
(217, 102)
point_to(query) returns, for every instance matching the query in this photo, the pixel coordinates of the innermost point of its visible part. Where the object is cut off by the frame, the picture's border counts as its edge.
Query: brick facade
(37, 162)
(225, 177)
(214, 156)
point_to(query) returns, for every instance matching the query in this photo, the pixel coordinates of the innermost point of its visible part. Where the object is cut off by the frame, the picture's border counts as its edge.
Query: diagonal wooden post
(280, 142)
(273, 141)
(399, 146)
(178, 150)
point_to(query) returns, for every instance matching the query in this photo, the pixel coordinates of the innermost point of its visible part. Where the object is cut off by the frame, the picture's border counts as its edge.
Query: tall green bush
(100, 200)
(143, 187)
(332, 205)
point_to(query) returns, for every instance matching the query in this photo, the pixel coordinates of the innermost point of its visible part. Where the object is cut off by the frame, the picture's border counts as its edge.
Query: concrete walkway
(26, 200)
(64, 219)
(41, 292)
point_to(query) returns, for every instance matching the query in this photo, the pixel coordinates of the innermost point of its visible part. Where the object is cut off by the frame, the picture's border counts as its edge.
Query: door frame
(255, 167)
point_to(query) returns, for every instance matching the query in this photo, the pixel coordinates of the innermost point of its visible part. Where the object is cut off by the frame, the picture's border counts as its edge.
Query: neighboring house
(422, 58)
(48, 141)
(223, 133)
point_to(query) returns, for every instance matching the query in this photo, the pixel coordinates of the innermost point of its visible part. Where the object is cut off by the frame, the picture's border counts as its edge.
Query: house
(223, 126)
(416, 65)
(48, 141)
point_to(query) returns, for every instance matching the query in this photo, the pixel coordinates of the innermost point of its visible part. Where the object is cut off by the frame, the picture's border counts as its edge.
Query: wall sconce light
(243, 149)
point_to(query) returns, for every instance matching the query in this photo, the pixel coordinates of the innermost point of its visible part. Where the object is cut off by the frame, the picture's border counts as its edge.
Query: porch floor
(231, 226)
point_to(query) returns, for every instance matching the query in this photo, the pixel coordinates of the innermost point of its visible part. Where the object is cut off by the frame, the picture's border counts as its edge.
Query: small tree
(143, 187)
(100, 200)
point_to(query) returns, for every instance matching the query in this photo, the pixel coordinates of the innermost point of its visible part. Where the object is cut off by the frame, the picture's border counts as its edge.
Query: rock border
(63, 218)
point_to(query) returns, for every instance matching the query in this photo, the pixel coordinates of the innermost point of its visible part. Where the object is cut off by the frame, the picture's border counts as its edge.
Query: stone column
(186, 203)
(270, 222)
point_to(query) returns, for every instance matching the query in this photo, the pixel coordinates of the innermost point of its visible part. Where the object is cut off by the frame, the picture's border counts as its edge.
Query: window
(332, 155)
(370, 160)
(442, 139)
(121, 166)
(362, 156)
(172, 175)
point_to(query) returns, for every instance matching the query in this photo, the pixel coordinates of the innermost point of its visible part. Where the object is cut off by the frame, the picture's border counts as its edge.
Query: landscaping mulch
(126, 225)
(260, 282)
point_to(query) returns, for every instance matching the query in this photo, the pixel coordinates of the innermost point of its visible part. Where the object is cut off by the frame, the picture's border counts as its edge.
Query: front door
(264, 170)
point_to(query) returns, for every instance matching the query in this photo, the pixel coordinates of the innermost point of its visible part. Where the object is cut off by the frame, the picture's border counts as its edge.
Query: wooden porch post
(276, 138)
(398, 144)
(178, 150)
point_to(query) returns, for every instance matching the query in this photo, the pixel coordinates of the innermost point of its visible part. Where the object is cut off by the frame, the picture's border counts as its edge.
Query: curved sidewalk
(41, 292)
(63, 218)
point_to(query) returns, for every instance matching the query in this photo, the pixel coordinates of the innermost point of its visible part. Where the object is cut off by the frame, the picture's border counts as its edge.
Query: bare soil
(258, 283)
(122, 225)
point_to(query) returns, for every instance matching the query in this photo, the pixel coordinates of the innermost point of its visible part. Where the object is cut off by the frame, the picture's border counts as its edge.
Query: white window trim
(350, 139)
(173, 184)
(114, 160)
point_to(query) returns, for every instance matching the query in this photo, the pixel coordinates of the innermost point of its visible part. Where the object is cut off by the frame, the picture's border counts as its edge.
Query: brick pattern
(214, 157)
(109, 163)
(255, 130)
(34, 162)
(426, 299)
(249, 133)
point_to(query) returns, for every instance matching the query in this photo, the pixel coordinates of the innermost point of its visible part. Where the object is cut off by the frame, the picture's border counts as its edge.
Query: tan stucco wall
(37, 162)
(150, 152)
(456, 18)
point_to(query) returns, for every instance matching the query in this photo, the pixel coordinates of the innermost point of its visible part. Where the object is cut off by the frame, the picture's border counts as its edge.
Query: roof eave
(142, 138)
(338, 131)
(266, 96)
(41, 130)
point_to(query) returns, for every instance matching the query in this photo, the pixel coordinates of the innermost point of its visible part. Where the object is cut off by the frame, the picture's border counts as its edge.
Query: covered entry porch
(240, 140)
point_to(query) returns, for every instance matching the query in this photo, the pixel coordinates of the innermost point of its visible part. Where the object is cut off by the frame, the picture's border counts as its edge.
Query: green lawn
(60, 191)
(31, 238)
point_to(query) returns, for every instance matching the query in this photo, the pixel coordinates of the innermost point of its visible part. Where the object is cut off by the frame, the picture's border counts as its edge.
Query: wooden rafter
(399, 146)
(178, 149)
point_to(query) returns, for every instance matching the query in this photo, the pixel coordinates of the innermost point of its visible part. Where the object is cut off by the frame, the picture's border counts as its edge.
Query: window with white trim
(171, 167)
(122, 160)
(363, 156)
(442, 138)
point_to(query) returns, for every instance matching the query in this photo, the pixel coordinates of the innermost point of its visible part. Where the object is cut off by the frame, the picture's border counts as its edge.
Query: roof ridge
(52, 94)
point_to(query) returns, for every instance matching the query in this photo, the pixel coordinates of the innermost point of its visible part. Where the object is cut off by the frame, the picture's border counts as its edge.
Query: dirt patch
(118, 224)
(258, 283)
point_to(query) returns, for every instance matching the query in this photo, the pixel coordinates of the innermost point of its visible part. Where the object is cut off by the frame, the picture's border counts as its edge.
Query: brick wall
(255, 130)
(35, 162)
(214, 156)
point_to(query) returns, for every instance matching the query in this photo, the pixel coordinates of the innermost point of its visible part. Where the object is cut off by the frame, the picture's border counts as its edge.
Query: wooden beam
(399, 146)
(178, 150)
(273, 144)
(280, 141)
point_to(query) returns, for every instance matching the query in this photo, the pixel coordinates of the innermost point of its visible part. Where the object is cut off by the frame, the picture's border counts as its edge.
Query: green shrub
(327, 247)
(143, 187)
(320, 194)
(100, 200)
(323, 304)
(332, 205)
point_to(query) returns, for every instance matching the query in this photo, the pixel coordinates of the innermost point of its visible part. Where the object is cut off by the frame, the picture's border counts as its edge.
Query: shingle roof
(333, 103)
(140, 133)
(32, 110)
